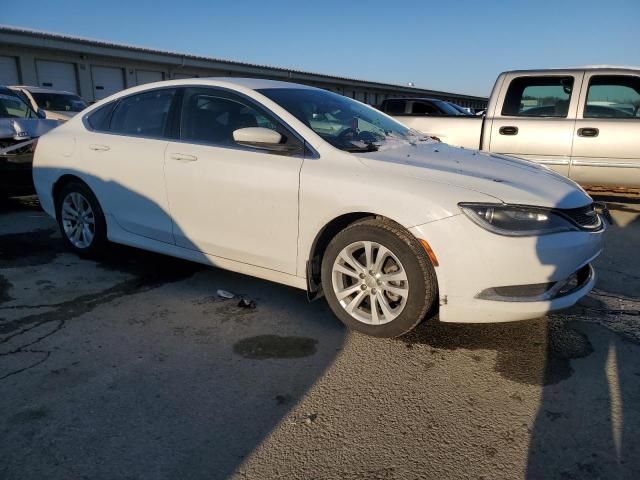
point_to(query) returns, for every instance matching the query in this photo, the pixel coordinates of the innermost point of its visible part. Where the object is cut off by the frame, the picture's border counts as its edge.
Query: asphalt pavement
(133, 367)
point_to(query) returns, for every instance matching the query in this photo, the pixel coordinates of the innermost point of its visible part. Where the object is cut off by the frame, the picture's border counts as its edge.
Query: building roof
(43, 35)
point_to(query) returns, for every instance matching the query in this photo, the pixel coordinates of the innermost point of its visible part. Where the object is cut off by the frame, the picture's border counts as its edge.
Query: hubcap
(78, 220)
(370, 282)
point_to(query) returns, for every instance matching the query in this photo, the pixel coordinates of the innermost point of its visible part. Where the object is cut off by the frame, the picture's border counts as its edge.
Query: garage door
(58, 75)
(148, 76)
(106, 81)
(9, 71)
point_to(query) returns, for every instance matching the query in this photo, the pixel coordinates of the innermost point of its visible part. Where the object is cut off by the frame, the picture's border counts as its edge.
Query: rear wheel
(81, 219)
(378, 279)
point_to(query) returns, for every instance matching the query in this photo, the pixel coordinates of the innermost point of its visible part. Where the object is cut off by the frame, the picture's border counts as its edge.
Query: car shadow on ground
(595, 437)
(139, 369)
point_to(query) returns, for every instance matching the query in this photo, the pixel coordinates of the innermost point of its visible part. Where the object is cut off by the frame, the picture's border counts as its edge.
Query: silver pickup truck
(583, 123)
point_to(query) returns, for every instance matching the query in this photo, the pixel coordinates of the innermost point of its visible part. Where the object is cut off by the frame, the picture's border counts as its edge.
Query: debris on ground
(224, 294)
(310, 418)
(245, 303)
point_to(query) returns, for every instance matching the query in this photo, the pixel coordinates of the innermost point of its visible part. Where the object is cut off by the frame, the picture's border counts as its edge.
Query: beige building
(96, 69)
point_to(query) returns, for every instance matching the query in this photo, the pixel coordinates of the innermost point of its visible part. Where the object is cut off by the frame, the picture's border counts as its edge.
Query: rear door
(606, 143)
(123, 161)
(537, 118)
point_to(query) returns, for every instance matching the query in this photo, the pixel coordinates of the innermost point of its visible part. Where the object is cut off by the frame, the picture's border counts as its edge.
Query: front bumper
(473, 261)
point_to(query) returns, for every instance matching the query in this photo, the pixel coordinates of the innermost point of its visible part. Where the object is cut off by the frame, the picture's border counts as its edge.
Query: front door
(537, 118)
(606, 142)
(228, 200)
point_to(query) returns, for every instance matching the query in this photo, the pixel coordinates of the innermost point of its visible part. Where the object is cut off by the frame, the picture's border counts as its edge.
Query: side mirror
(41, 113)
(262, 138)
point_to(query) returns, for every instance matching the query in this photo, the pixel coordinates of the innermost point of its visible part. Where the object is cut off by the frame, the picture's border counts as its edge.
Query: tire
(405, 281)
(81, 196)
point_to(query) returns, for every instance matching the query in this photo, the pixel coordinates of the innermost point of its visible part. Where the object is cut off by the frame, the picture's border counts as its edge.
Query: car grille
(585, 217)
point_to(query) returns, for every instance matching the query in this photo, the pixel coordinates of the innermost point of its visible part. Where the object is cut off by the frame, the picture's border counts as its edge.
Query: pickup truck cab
(583, 123)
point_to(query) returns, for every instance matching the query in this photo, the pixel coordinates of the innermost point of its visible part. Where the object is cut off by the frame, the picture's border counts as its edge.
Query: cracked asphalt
(131, 367)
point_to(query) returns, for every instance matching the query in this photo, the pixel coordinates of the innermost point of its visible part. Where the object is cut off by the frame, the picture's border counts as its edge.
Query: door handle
(588, 132)
(99, 148)
(181, 157)
(508, 130)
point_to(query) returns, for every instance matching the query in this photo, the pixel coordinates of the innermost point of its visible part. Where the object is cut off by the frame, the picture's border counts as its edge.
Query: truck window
(394, 107)
(538, 97)
(613, 96)
(424, 108)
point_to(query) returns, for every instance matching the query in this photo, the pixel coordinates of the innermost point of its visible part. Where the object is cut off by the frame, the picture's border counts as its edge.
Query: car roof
(33, 89)
(587, 68)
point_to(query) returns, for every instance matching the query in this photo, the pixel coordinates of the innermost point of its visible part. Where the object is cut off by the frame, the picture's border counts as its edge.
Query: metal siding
(148, 76)
(9, 71)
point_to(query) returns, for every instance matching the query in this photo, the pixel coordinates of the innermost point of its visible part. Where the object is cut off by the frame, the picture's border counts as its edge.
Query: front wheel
(80, 218)
(378, 279)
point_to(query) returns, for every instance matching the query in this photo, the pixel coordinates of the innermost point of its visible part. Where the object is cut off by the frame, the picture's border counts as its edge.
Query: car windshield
(59, 102)
(344, 123)
(12, 106)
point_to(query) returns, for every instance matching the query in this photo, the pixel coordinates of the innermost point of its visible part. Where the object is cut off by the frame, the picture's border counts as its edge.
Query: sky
(455, 45)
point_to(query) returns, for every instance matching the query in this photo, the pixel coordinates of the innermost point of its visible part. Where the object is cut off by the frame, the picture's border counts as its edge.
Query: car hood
(25, 128)
(508, 179)
(60, 114)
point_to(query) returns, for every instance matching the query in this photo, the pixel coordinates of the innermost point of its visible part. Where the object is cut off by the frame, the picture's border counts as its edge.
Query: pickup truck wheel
(80, 218)
(378, 279)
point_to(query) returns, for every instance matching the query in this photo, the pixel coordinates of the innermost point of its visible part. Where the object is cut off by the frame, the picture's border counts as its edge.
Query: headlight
(516, 220)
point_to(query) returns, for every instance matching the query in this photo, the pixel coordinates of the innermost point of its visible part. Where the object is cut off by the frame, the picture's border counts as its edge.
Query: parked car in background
(419, 106)
(583, 123)
(20, 126)
(312, 189)
(56, 104)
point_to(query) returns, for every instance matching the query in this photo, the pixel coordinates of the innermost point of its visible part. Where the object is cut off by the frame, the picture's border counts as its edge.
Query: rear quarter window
(99, 119)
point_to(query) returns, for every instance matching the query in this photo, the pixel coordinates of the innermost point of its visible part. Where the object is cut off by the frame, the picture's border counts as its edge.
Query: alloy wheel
(78, 220)
(370, 282)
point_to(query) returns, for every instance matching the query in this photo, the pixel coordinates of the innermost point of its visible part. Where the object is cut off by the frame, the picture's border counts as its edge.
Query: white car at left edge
(314, 190)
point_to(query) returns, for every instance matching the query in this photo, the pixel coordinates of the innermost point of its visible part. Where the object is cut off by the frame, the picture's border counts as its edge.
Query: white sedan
(308, 188)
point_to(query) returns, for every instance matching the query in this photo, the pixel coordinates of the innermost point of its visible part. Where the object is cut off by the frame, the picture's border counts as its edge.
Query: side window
(99, 119)
(424, 108)
(613, 96)
(538, 97)
(211, 116)
(144, 114)
(394, 107)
